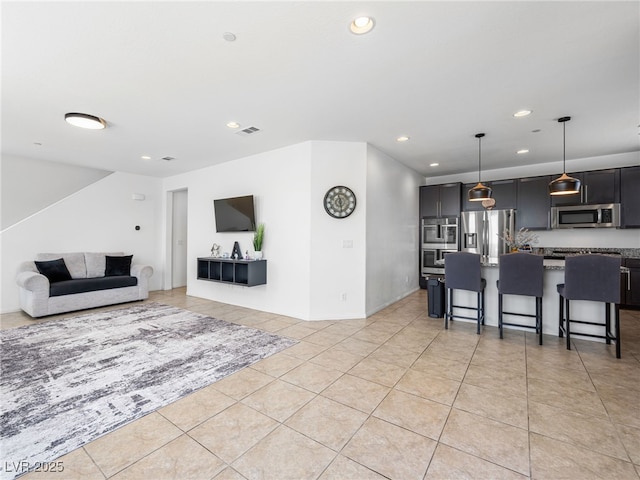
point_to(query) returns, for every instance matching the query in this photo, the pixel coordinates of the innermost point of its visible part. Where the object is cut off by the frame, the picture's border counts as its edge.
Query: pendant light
(479, 192)
(564, 184)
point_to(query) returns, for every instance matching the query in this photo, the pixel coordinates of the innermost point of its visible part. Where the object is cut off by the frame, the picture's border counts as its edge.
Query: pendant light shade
(480, 192)
(564, 184)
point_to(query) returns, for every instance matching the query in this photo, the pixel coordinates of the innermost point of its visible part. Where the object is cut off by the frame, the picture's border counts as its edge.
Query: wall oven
(439, 237)
(586, 216)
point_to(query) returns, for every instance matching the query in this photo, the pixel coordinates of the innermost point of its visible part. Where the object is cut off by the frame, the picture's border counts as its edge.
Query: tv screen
(235, 214)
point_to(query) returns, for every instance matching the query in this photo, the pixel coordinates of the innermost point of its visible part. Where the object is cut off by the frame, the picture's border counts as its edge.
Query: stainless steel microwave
(586, 216)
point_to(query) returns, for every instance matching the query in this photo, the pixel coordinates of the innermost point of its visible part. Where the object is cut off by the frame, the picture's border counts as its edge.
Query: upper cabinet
(630, 197)
(600, 186)
(503, 192)
(533, 203)
(440, 200)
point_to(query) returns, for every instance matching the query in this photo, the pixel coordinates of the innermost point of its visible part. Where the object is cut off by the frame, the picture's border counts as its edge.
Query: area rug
(67, 382)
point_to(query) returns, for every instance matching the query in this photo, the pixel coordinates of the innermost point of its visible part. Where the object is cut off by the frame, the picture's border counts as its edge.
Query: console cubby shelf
(248, 273)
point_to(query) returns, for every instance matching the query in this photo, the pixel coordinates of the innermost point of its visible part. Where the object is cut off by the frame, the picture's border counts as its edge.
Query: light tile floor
(391, 396)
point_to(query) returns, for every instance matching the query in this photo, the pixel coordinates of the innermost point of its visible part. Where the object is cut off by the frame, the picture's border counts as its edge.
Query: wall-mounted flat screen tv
(235, 214)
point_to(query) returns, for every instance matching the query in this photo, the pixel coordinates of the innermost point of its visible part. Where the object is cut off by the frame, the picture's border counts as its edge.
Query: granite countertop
(551, 264)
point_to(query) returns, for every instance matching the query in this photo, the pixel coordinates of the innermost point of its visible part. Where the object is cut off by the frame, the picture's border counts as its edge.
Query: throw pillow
(116, 266)
(54, 270)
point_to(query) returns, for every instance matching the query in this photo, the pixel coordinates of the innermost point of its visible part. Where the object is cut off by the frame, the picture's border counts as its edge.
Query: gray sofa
(91, 279)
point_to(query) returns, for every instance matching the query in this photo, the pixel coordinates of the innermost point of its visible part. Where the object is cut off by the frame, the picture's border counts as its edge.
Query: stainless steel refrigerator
(482, 232)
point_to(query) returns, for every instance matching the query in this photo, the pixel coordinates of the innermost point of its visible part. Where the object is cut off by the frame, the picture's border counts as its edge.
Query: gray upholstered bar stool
(521, 274)
(462, 272)
(594, 278)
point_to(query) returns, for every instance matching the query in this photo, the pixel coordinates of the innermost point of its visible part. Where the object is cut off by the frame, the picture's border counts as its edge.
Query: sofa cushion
(116, 266)
(90, 284)
(55, 270)
(96, 262)
(74, 261)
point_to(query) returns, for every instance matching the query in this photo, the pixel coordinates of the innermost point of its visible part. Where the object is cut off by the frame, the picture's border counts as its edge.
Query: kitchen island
(553, 275)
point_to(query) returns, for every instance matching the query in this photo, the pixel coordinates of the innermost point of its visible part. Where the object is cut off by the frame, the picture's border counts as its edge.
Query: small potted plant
(258, 238)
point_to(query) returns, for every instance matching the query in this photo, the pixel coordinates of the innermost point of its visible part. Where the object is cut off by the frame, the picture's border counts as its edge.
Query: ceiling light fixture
(564, 184)
(434, 164)
(522, 113)
(479, 192)
(362, 25)
(145, 157)
(84, 120)
(403, 138)
(524, 150)
(233, 125)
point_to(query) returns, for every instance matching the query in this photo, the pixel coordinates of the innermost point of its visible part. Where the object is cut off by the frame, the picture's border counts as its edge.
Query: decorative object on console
(564, 184)
(215, 250)
(480, 192)
(339, 201)
(258, 239)
(236, 254)
(521, 241)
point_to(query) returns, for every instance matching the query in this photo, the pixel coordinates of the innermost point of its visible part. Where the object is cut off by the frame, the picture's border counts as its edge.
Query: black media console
(248, 273)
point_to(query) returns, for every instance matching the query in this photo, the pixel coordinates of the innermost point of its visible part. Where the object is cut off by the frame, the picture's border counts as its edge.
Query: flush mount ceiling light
(84, 120)
(564, 184)
(479, 192)
(524, 150)
(233, 125)
(522, 113)
(362, 25)
(434, 164)
(402, 138)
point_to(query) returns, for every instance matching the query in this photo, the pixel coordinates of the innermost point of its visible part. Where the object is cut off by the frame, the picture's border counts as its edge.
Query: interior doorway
(178, 244)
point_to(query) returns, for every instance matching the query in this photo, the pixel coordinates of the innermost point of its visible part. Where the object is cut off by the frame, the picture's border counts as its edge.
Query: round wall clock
(340, 202)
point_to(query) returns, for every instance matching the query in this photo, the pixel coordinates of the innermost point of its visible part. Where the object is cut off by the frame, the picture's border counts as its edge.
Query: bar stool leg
(449, 309)
(617, 322)
(539, 317)
(479, 317)
(607, 323)
(500, 313)
(567, 324)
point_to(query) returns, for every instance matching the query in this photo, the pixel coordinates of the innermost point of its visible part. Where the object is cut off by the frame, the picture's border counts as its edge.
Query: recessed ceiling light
(229, 37)
(403, 138)
(362, 25)
(434, 164)
(233, 125)
(524, 150)
(522, 113)
(145, 157)
(84, 120)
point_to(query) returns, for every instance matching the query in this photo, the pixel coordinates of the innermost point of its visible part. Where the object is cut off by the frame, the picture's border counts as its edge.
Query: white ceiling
(165, 80)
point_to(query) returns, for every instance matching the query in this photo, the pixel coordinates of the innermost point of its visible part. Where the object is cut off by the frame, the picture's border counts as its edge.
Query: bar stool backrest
(462, 271)
(592, 277)
(521, 274)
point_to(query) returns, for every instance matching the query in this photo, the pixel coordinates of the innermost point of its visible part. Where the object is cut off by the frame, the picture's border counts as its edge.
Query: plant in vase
(258, 238)
(520, 241)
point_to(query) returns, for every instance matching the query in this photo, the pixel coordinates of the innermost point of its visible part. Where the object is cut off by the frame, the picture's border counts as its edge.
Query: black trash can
(435, 297)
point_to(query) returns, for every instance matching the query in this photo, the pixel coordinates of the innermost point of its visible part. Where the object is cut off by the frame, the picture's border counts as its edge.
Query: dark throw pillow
(54, 270)
(116, 266)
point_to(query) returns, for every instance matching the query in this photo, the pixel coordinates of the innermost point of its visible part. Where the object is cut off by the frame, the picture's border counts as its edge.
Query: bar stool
(594, 278)
(462, 272)
(521, 274)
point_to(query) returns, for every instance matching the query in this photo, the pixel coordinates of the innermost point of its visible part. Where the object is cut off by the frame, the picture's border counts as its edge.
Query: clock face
(339, 202)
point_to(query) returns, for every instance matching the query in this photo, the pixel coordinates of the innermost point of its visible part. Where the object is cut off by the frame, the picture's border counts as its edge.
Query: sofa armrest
(141, 271)
(34, 282)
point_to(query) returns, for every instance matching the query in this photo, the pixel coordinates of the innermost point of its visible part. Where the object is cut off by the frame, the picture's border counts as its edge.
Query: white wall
(179, 235)
(392, 230)
(100, 217)
(30, 185)
(280, 183)
(338, 246)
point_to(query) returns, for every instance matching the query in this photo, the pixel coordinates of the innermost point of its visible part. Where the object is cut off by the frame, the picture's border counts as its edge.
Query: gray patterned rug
(67, 382)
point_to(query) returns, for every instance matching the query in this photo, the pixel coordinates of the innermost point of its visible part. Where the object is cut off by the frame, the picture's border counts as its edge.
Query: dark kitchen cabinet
(503, 192)
(631, 283)
(533, 203)
(440, 200)
(630, 197)
(599, 186)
